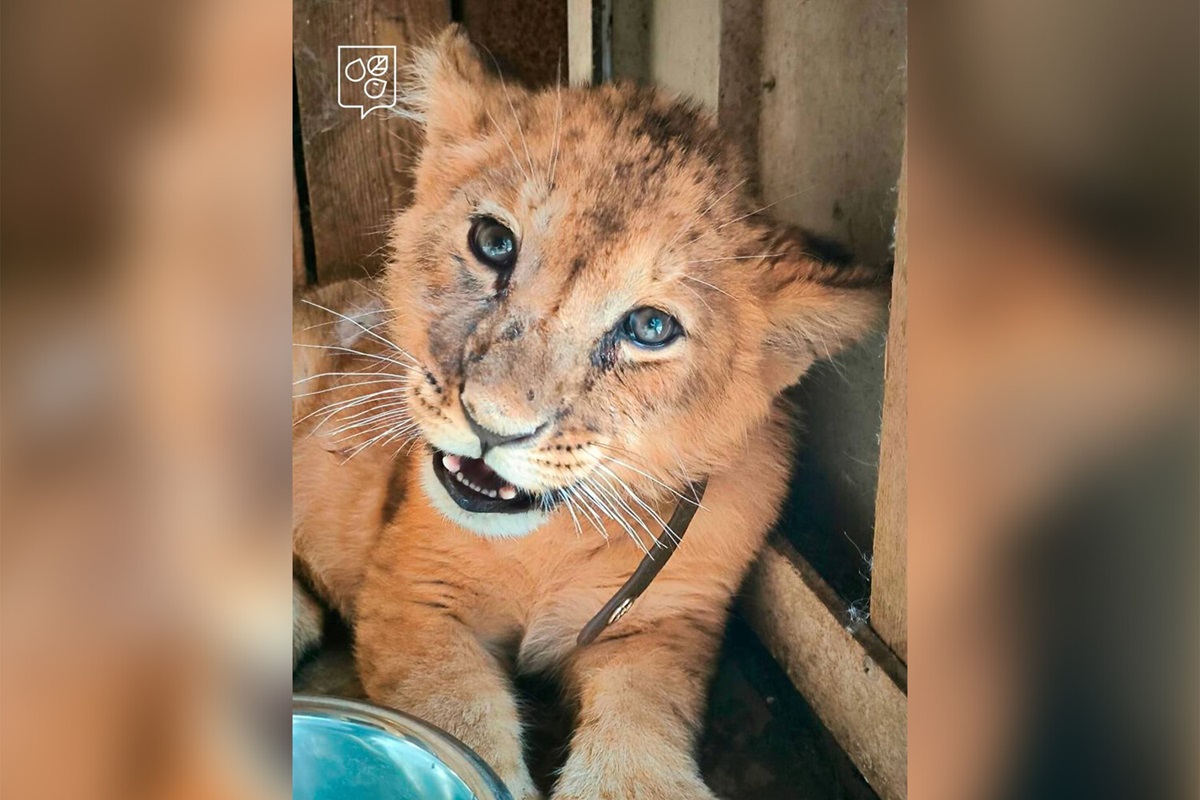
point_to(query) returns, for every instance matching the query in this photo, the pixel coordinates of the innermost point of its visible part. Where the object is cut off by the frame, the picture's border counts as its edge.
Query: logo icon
(367, 77)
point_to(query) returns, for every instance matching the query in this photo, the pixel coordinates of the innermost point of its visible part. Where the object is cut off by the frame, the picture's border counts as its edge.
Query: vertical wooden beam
(685, 48)
(740, 80)
(357, 168)
(833, 119)
(299, 270)
(889, 591)
(580, 39)
(707, 49)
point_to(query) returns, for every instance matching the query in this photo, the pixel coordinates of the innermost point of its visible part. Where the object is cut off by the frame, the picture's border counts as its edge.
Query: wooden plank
(299, 269)
(832, 131)
(685, 43)
(832, 123)
(740, 82)
(708, 49)
(889, 573)
(357, 168)
(849, 676)
(527, 37)
(580, 57)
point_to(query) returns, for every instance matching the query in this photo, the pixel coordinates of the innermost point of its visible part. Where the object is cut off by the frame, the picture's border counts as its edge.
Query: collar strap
(652, 563)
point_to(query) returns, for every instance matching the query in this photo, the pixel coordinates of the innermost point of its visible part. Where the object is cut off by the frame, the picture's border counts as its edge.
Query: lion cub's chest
(539, 590)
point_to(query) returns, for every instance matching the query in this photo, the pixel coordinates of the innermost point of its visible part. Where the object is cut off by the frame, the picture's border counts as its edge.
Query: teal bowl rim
(462, 760)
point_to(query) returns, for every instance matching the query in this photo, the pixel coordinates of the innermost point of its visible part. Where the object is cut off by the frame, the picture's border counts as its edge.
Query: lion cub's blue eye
(492, 243)
(651, 327)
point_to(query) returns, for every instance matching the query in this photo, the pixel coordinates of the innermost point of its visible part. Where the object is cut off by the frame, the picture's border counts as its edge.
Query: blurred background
(148, 251)
(1052, 425)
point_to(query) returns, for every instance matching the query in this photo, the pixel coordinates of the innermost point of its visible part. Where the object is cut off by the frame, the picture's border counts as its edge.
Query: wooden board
(831, 139)
(889, 574)
(846, 673)
(579, 42)
(740, 84)
(357, 168)
(527, 37)
(832, 123)
(299, 269)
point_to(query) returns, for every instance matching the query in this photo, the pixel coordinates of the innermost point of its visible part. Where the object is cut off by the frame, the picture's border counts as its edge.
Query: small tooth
(458, 477)
(490, 493)
(507, 492)
(451, 463)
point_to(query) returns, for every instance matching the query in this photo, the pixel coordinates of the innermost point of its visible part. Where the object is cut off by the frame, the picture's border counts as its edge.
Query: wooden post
(889, 591)
(580, 39)
(299, 268)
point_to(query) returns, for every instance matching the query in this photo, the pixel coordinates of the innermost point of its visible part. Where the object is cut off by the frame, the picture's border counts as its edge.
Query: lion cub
(583, 315)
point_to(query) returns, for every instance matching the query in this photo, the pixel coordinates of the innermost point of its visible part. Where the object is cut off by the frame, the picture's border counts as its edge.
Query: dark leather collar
(653, 562)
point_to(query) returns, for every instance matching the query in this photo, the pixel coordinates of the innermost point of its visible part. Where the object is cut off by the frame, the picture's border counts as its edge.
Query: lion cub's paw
(521, 787)
(653, 788)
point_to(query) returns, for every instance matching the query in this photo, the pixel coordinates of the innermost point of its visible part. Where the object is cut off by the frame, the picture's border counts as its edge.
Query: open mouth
(476, 488)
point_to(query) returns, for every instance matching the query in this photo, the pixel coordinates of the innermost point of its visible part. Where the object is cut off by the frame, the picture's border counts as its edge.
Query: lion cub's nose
(488, 438)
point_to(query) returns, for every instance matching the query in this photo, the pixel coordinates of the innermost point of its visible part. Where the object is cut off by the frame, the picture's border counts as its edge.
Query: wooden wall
(354, 174)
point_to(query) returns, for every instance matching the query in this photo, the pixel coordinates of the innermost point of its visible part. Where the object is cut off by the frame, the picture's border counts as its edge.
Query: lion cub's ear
(817, 301)
(451, 89)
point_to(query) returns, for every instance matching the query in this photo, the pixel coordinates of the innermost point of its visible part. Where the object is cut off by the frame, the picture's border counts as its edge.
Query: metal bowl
(344, 749)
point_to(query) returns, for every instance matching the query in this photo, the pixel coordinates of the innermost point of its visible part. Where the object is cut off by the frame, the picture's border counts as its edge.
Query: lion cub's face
(592, 308)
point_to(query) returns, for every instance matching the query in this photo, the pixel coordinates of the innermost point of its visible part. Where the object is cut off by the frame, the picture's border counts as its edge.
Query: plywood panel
(889, 589)
(357, 168)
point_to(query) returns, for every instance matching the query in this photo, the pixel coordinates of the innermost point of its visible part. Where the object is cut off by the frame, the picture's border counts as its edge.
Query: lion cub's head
(593, 307)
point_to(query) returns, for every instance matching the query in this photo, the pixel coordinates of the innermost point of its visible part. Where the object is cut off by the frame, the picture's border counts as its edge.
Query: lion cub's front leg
(419, 659)
(641, 708)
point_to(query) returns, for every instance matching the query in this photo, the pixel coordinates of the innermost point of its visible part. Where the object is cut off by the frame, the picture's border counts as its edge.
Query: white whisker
(711, 286)
(557, 128)
(333, 408)
(610, 491)
(365, 329)
(702, 214)
(767, 206)
(584, 509)
(512, 109)
(348, 386)
(507, 143)
(759, 256)
(340, 349)
(389, 419)
(644, 474)
(590, 490)
(665, 526)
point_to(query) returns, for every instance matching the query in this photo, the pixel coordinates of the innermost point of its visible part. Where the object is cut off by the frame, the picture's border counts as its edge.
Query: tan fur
(620, 197)
(339, 496)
